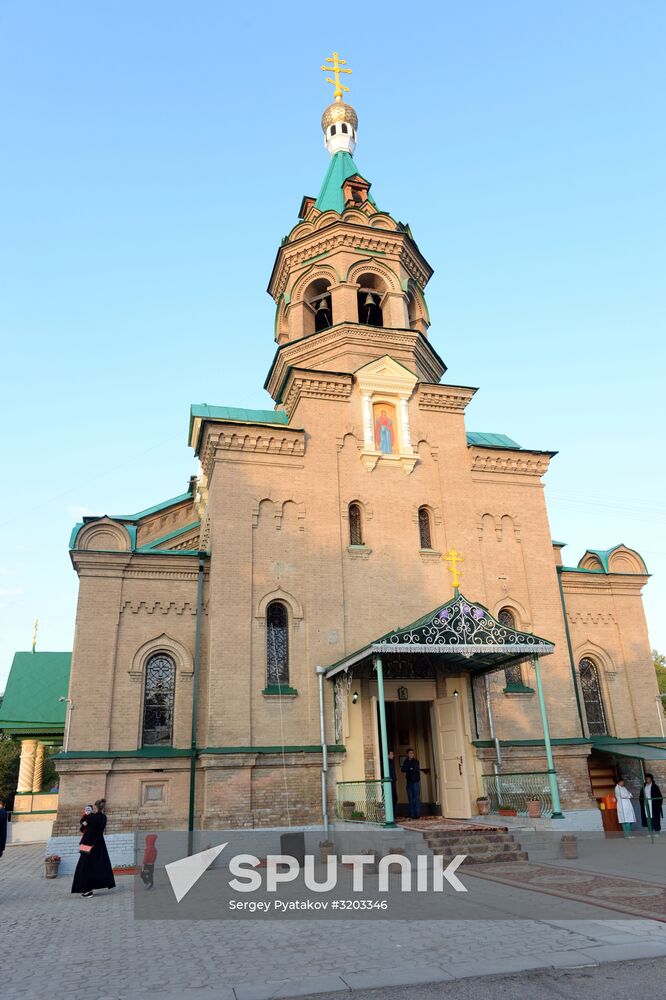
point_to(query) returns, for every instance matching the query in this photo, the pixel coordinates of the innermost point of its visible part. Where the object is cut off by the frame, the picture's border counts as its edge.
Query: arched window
(513, 675)
(370, 295)
(158, 701)
(355, 524)
(318, 307)
(334, 129)
(591, 691)
(277, 645)
(425, 533)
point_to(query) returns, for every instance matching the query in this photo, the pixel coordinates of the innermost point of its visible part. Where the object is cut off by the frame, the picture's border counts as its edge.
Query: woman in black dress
(93, 870)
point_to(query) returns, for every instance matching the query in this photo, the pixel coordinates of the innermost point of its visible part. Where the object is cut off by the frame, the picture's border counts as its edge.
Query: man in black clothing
(3, 827)
(412, 771)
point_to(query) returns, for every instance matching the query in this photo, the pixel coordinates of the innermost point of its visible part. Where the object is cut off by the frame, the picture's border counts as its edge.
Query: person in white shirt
(625, 811)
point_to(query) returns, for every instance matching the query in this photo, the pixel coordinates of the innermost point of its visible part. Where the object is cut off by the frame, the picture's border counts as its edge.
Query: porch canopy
(458, 637)
(464, 634)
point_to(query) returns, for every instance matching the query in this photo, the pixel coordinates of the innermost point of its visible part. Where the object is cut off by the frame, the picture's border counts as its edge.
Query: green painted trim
(277, 690)
(23, 793)
(312, 748)
(152, 510)
(563, 741)
(38, 812)
(158, 753)
(518, 689)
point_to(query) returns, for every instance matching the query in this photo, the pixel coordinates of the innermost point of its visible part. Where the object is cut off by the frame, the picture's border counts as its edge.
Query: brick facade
(270, 512)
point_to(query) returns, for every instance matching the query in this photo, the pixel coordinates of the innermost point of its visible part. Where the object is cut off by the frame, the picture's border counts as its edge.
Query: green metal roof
(234, 414)
(463, 631)
(640, 751)
(36, 681)
(331, 197)
(153, 510)
(150, 546)
(492, 440)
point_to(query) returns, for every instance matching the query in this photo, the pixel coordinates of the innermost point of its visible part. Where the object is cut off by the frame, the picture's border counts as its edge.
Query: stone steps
(480, 847)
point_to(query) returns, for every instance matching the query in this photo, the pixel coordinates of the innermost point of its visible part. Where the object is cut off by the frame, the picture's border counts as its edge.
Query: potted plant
(507, 811)
(125, 870)
(347, 809)
(569, 842)
(326, 848)
(483, 805)
(357, 814)
(51, 865)
(533, 808)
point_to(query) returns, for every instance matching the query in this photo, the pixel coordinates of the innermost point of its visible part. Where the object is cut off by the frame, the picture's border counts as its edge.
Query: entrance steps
(480, 846)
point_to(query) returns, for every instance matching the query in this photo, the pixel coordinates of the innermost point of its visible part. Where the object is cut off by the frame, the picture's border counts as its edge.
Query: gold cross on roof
(336, 69)
(453, 558)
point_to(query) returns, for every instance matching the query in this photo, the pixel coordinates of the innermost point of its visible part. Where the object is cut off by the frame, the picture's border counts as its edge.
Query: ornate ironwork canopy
(470, 638)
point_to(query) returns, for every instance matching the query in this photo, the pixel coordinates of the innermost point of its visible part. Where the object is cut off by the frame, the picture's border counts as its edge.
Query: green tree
(10, 752)
(660, 669)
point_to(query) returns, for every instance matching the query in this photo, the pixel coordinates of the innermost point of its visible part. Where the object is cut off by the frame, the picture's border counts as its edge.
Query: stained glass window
(277, 645)
(513, 675)
(158, 701)
(424, 528)
(355, 525)
(594, 705)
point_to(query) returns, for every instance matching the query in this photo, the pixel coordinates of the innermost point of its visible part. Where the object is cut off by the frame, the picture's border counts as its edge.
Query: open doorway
(409, 724)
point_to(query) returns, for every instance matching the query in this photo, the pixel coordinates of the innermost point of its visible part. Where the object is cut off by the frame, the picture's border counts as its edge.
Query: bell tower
(348, 280)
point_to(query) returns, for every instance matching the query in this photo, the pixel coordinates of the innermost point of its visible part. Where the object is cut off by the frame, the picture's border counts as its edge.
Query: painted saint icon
(384, 429)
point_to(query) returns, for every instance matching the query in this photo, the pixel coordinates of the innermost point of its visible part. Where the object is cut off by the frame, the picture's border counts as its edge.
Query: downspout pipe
(572, 662)
(321, 673)
(195, 702)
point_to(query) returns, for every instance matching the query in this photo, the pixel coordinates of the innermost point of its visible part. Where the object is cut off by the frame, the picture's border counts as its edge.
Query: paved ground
(638, 980)
(56, 944)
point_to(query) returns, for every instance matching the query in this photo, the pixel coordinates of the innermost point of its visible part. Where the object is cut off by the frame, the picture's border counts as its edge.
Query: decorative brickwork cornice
(513, 463)
(343, 236)
(447, 398)
(330, 346)
(249, 442)
(315, 385)
(157, 607)
(592, 618)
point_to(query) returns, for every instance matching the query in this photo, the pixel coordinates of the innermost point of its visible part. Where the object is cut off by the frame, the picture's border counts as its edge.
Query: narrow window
(158, 701)
(334, 129)
(277, 645)
(424, 528)
(344, 128)
(592, 699)
(513, 675)
(355, 524)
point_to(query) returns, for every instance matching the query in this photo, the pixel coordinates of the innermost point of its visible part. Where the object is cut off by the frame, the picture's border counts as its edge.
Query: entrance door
(453, 769)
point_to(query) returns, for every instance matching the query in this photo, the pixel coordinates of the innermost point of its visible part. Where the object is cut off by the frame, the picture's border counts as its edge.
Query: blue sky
(154, 154)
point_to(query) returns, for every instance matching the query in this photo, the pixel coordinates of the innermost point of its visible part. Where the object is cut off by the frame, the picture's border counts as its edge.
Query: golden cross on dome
(336, 69)
(453, 558)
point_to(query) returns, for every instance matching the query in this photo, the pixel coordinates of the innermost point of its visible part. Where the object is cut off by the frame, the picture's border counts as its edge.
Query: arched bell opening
(371, 294)
(318, 311)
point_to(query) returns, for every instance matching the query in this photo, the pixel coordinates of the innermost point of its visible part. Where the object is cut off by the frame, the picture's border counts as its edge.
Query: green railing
(515, 790)
(360, 801)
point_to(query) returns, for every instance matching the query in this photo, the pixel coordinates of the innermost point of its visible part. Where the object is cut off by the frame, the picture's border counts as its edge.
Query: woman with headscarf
(651, 801)
(93, 870)
(625, 811)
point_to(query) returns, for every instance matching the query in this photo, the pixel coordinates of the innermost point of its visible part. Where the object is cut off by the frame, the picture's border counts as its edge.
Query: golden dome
(339, 112)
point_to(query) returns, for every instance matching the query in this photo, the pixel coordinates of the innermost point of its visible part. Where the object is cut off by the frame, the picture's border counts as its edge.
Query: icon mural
(385, 434)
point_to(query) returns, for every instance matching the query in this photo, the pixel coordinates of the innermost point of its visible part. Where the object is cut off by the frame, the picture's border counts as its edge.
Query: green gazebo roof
(35, 684)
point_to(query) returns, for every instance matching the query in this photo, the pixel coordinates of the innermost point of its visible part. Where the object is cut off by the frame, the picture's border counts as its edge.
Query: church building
(353, 548)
